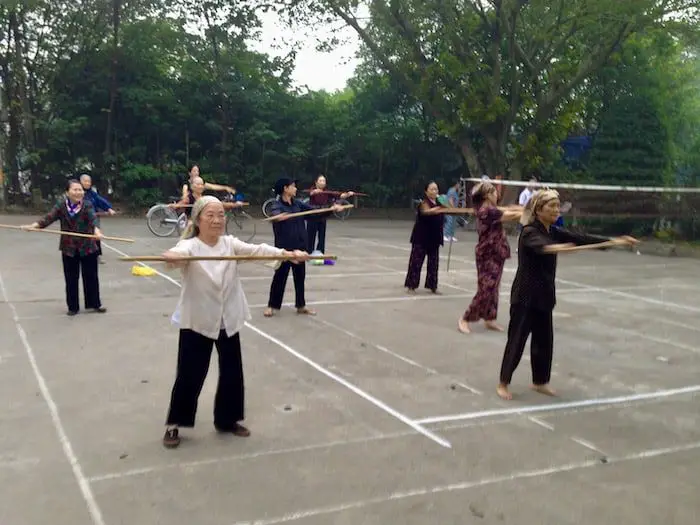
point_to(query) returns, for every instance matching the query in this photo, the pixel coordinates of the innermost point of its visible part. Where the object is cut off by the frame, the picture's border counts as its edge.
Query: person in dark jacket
(98, 202)
(290, 234)
(533, 296)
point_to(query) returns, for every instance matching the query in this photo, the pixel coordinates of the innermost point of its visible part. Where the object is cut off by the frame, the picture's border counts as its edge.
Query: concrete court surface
(375, 412)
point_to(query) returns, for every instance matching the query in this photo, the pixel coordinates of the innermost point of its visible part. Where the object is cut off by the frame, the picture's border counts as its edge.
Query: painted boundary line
(330, 444)
(376, 402)
(367, 300)
(83, 483)
(465, 485)
(561, 406)
(592, 288)
(398, 356)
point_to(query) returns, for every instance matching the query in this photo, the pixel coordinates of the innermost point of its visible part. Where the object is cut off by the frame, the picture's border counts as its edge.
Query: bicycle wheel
(267, 206)
(344, 214)
(241, 225)
(161, 220)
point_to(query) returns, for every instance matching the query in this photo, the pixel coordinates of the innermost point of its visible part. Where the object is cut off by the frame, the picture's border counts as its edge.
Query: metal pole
(449, 255)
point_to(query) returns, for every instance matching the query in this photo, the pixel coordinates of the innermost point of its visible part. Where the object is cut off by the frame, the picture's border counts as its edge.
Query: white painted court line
(368, 300)
(83, 484)
(587, 444)
(324, 275)
(251, 455)
(293, 450)
(406, 360)
(368, 397)
(562, 406)
(428, 491)
(572, 283)
(656, 302)
(376, 402)
(653, 339)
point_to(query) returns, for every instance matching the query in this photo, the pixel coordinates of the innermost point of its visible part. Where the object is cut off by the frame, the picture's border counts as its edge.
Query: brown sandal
(305, 311)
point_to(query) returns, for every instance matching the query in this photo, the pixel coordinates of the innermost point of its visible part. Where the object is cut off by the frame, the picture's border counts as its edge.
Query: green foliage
(136, 103)
(503, 78)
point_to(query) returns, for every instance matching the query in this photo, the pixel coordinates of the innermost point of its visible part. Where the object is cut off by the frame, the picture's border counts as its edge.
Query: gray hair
(192, 229)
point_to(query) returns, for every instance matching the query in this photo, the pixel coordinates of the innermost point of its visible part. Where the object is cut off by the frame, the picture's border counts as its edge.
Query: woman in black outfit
(533, 294)
(426, 239)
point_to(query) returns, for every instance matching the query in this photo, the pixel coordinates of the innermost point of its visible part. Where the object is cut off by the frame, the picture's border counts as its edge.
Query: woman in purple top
(426, 239)
(492, 250)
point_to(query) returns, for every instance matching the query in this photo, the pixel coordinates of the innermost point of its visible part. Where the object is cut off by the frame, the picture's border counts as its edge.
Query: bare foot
(463, 326)
(503, 392)
(436, 291)
(305, 311)
(412, 291)
(544, 389)
(492, 325)
(268, 312)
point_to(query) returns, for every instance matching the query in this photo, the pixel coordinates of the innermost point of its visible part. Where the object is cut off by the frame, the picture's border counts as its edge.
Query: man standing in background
(527, 193)
(452, 201)
(99, 203)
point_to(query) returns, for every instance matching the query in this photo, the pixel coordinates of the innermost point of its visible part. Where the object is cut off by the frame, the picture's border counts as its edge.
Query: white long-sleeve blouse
(212, 297)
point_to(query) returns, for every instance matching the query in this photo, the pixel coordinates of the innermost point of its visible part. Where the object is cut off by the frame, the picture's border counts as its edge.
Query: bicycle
(342, 214)
(163, 221)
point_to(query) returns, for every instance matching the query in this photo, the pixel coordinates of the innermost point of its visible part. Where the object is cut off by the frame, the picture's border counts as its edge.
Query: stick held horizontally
(160, 258)
(70, 234)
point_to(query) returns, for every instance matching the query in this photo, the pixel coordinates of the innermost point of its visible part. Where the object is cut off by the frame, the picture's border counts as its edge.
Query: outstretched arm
(219, 187)
(48, 219)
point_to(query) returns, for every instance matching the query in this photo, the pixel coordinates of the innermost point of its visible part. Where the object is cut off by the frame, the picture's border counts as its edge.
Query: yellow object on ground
(142, 271)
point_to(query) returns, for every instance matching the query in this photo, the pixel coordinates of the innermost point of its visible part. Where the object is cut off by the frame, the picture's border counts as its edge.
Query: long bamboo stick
(226, 205)
(596, 246)
(70, 234)
(303, 213)
(160, 258)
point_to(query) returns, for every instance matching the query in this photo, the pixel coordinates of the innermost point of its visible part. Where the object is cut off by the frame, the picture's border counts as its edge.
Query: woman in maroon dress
(492, 250)
(316, 224)
(426, 239)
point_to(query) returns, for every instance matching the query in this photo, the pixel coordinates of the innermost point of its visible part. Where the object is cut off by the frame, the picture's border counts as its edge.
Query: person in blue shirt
(290, 234)
(565, 207)
(453, 202)
(99, 203)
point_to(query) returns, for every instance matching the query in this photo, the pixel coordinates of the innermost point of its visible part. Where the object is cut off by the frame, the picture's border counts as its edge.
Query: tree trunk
(471, 157)
(113, 86)
(14, 117)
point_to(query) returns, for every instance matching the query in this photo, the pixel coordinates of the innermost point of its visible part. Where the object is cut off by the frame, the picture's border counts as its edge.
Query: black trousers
(193, 357)
(312, 228)
(279, 283)
(523, 322)
(72, 268)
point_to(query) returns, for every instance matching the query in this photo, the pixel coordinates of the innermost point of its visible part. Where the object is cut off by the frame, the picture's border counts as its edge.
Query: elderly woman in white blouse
(212, 310)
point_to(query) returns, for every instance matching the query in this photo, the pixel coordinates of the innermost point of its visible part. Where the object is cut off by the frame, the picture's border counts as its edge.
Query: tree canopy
(135, 91)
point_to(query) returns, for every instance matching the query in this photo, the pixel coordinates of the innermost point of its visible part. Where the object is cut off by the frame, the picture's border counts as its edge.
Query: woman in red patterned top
(79, 253)
(492, 250)
(321, 197)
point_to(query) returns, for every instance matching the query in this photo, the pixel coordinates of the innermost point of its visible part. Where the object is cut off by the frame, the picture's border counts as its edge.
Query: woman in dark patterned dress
(79, 254)
(492, 250)
(426, 239)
